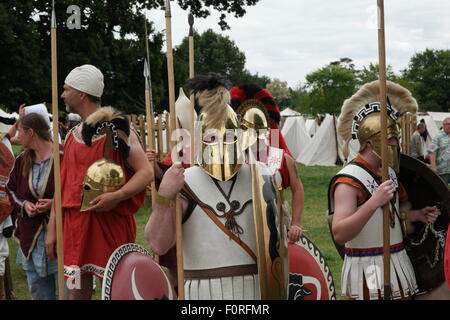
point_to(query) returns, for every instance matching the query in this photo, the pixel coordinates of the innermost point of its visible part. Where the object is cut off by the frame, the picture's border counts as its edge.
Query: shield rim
(315, 252)
(117, 256)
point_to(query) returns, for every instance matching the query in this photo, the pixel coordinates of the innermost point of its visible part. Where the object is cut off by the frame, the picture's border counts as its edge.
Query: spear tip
(168, 12)
(146, 73)
(191, 23)
(53, 25)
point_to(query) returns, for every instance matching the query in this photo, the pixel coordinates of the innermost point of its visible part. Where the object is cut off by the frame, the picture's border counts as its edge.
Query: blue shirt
(440, 147)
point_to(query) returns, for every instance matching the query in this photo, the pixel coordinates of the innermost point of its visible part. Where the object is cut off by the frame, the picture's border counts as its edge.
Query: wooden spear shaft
(149, 111)
(178, 213)
(191, 75)
(56, 160)
(150, 134)
(384, 153)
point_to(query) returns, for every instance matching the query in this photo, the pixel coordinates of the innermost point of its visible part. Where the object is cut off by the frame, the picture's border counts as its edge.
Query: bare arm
(424, 215)
(348, 220)
(298, 200)
(432, 158)
(151, 157)
(418, 147)
(160, 228)
(50, 238)
(143, 175)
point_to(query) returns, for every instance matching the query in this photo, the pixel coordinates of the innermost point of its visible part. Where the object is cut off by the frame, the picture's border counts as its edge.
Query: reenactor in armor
(356, 198)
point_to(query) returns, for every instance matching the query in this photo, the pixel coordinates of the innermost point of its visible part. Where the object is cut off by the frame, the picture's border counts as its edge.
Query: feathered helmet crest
(365, 102)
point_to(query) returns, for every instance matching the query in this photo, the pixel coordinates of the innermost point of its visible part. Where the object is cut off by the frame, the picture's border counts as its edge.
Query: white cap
(86, 78)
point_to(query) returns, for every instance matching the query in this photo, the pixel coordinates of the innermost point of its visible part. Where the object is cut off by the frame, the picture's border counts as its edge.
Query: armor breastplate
(205, 246)
(372, 233)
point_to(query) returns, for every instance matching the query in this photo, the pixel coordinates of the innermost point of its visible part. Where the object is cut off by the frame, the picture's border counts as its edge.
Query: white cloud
(288, 39)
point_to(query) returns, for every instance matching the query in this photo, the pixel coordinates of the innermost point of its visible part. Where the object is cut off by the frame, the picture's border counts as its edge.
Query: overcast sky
(287, 39)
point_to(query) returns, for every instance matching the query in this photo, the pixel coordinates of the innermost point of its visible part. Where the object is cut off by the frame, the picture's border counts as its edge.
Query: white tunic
(207, 247)
(364, 257)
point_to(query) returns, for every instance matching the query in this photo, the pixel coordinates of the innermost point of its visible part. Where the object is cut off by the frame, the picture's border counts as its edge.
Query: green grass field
(315, 181)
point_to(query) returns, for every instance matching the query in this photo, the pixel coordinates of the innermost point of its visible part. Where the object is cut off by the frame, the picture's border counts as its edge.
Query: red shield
(6, 164)
(309, 275)
(132, 274)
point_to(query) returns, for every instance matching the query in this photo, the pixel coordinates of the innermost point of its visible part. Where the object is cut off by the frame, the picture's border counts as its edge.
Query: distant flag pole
(384, 151)
(56, 159)
(191, 75)
(178, 213)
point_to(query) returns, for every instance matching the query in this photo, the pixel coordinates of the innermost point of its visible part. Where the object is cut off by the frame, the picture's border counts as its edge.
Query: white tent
(295, 135)
(439, 117)
(432, 128)
(353, 148)
(311, 126)
(288, 112)
(321, 149)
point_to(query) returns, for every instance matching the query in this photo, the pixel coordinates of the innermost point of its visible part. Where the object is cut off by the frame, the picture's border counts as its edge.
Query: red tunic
(91, 237)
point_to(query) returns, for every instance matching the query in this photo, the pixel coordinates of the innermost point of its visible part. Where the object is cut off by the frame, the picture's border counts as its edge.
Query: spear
(149, 111)
(178, 213)
(191, 75)
(384, 152)
(56, 159)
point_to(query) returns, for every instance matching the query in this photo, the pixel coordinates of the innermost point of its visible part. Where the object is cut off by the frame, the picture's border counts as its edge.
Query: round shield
(6, 164)
(310, 277)
(132, 274)
(425, 246)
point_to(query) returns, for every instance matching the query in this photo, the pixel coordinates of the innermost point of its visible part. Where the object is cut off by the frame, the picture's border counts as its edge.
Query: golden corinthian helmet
(360, 115)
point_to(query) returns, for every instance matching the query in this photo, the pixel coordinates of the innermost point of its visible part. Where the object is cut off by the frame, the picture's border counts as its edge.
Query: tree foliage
(329, 86)
(371, 73)
(111, 37)
(429, 74)
(279, 91)
(214, 53)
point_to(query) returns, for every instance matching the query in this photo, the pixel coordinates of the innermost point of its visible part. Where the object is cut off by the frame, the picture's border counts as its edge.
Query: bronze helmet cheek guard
(221, 153)
(370, 131)
(254, 123)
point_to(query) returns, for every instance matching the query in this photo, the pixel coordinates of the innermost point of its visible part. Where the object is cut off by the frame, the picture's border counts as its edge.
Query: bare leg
(85, 292)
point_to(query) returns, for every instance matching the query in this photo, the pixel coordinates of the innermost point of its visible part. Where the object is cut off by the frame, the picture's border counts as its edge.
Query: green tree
(371, 73)
(213, 53)
(111, 37)
(280, 92)
(301, 100)
(22, 70)
(329, 86)
(429, 75)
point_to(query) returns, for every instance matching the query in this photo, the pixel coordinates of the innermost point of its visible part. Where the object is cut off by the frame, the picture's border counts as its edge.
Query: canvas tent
(353, 148)
(321, 149)
(439, 117)
(311, 126)
(288, 112)
(294, 133)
